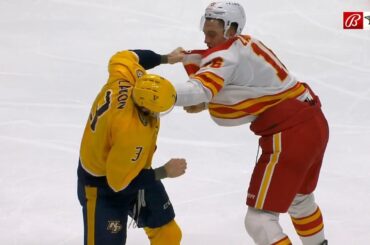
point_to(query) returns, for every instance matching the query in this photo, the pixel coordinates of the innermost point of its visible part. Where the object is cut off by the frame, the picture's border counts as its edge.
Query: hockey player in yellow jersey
(115, 178)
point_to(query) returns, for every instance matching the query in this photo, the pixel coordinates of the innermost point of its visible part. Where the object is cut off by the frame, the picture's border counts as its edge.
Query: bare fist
(176, 55)
(195, 108)
(175, 167)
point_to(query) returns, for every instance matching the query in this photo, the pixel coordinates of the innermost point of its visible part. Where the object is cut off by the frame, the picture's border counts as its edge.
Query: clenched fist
(195, 108)
(176, 55)
(175, 167)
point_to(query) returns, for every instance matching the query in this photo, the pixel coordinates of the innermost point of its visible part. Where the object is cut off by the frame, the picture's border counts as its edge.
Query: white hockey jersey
(239, 79)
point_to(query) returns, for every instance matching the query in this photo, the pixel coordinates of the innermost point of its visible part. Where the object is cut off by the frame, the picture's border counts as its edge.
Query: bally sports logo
(356, 20)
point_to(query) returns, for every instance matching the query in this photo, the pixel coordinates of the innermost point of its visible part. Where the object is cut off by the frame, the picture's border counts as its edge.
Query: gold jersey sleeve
(118, 140)
(125, 65)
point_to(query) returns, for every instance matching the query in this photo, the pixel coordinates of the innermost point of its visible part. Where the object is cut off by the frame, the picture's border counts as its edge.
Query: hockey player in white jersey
(240, 80)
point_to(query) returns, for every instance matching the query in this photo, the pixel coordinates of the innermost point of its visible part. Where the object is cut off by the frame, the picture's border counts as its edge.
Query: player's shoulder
(124, 55)
(124, 60)
(244, 39)
(125, 65)
(231, 47)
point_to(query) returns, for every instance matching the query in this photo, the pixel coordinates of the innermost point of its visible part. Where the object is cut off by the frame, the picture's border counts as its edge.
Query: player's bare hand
(195, 108)
(175, 167)
(176, 55)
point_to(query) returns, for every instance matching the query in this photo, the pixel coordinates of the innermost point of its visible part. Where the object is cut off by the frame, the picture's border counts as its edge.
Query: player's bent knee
(252, 222)
(169, 234)
(263, 226)
(256, 220)
(172, 232)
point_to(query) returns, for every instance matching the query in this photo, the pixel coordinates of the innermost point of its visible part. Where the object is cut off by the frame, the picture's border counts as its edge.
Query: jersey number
(99, 111)
(270, 58)
(139, 149)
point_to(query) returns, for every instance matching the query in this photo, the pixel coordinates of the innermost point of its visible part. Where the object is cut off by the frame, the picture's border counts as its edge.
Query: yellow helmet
(154, 93)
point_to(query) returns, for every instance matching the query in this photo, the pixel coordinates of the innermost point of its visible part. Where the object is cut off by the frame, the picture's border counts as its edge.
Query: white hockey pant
(264, 227)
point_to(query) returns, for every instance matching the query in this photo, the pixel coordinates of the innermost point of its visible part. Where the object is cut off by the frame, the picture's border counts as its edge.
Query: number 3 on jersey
(138, 152)
(261, 50)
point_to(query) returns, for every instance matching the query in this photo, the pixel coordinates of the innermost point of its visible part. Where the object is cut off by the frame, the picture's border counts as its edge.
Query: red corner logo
(353, 20)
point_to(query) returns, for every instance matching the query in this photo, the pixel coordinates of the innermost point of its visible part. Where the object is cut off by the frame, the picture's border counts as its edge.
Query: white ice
(53, 61)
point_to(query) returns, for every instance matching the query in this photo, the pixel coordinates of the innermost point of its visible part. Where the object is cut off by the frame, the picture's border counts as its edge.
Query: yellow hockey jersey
(119, 140)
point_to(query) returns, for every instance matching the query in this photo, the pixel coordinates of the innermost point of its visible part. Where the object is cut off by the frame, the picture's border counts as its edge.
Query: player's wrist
(160, 173)
(164, 59)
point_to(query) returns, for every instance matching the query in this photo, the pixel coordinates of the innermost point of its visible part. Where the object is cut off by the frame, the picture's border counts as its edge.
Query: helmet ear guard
(228, 12)
(154, 93)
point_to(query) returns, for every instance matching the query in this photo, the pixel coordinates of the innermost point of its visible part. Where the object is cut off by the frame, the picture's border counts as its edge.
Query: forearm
(149, 59)
(160, 173)
(191, 93)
